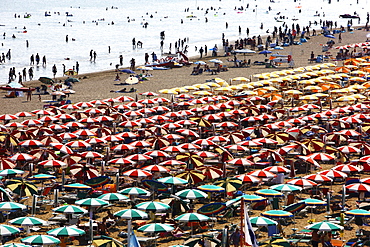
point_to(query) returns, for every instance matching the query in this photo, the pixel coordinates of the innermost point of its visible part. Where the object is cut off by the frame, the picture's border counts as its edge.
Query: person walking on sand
(32, 60)
(91, 55)
(205, 50)
(340, 37)
(120, 60)
(132, 62)
(94, 55)
(54, 70)
(201, 52)
(37, 59)
(43, 61)
(29, 94)
(77, 67)
(30, 73)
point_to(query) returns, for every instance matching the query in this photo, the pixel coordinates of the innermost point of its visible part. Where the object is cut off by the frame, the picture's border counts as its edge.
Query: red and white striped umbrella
(172, 115)
(212, 117)
(161, 100)
(22, 157)
(171, 126)
(173, 137)
(186, 122)
(172, 163)
(14, 125)
(305, 183)
(125, 99)
(24, 114)
(155, 168)
(296, 121)
(139, 157)
(84, 104)
(261, 174)
(347, 168)
(68, 136)
(248, 178)
(218, 139)
(265, 140)
(135, 105)
(46, 119)
(210, 108)
(133, 114)
(84, 171)
(189, 146)
(146, 101)
(32, 122)
(66, 117)
(226, 125)
(149, 94)
(358, 187)
(74, 125)
(145, 121)
(237, 148)
(98, 102)
(88, 120)
(84, 133)
(157, 153)
(58, 127)
(91, 155)
(206, 154)
(320, 157)
(252, 143)
(333, 174)
(93, 111)
(173, 149)
(104, 119)
(53, 163)
(352, 120)
(122, 161)
(187, 132)
(130, 124)
(137, 173)
(146, 111)
(160, 118)
(78, 144)
(319, 178)
(31, 143)
(122, 107)
(161, 109)
(127, 135)
(211, 172)
(277, 169)
(43, 112)
(70, 107)
(62, 148)
(123, 147)
(141, 144)
(348, 133)
(96, 141)
(113, 138)
(240, 162)
(204, 142)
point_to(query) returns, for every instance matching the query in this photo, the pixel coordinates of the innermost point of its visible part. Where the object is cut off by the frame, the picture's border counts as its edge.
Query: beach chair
(337, 242)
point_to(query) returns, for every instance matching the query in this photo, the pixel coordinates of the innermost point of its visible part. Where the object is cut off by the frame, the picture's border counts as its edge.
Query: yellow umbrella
(359, 79)
(202, 93)
(226, 89)
(212, 84)
(336, 76)
(270, 88)
(357, 73)
(321, 95)
(245, 86)
(280, 73)
(191, 88)
(293, 92)
(248, 92)
(357, 87)
(168, 91)
(289, 72)
(317, 80)
(304, 76)
(180, 90)
(241, 79)
(235, 87)
(309, 97)
(330, 64)
(313, 88)
(274, 75)
(223, 84)
(203, 87)
(346, 99)
(265, 82)
(324, 66)
(255, 84)
(286, 78)
(311, 73)
(358, 96)
(307, 82)
(299, 69)
(276, 80)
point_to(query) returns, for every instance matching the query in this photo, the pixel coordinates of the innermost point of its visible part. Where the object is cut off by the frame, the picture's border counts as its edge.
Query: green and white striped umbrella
(131, 214)
(358, 213)
(77, 186)
(67, 231)
(210, 188)
(313, 202)
(7, 172)
(70, 209)
(269, 193)
(113, 197)
(40, 240)
(286, 188)
(156, 227)
(192, 217)
(6, 230)
(262, 221)
(191, 194)
(153, 206)
(15, 245)
(324, 226)
(134, 191)
(173, 180)
(41, 177)
(27, 221)
(92, 202)
(7, 206)
(247, 198)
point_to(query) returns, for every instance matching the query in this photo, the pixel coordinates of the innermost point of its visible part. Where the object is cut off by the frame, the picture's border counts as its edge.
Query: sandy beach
(100, 85)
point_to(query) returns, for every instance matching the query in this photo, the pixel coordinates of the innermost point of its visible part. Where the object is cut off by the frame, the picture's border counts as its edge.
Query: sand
(99, 86)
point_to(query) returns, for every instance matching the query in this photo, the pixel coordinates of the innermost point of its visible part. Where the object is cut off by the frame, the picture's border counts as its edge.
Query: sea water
(96, 25)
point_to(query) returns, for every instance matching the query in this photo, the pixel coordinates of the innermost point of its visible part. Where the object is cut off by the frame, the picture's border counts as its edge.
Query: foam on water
(91, 27)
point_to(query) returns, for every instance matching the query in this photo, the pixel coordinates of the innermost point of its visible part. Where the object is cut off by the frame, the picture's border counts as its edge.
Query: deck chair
(298, 209)
(337, 243)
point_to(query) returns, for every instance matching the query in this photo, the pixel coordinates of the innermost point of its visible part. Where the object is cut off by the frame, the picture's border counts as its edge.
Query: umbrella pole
(91, 230)
(129, 230)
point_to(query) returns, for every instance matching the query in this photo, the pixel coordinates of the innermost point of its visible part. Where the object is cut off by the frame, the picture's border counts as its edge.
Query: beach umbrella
(98, 181)
(15, 245)
(191, 176)
(261, 174)
(324, 227)
(156, 227)
(40, 240)
(211, 172)
(70, 209)
(77, 186)
(245, 178)
(269, 193)
(152, 206)
(104, 241)
(41, 177)
(319, 178)
(313, 202)
(9, 206)
(192, 217)
(6, 230)
(173, 180)
(277, 214)
(22, 157)
(347, 168)
(358, 187)
(305, 183)
(131, 214)
(358, 213)
(262, 221)
(191, 194)
(92, 202)
(27, 221)
(210, 188)
(247, 198)
(53, 163)
(6, 163)
(229, 184)
(7, 172)
(137, 173)
(31, 143)
(333, 174)
(240, 162)
(134, 191)
(22, 187)
(285, 188)
(277, 169)
(155, 168)
(66, 231)
(113, 197)
(60, 147)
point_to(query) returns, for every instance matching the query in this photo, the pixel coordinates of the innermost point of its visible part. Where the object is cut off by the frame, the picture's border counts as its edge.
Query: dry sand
(98, 86)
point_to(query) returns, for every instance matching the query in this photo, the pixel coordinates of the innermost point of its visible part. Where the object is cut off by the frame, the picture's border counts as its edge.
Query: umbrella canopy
(269, 193)
(210, 188)
(67, 231)
(191, 194)
(70, 209)
(173, 180)
(313, 202)
(132, 214)
(7, 172)
(134, 191)
(191, 176)
(8, 206)
(77, 186)
(153, 206)
(192, 217)
(212, 208)
(262, 221)
(156, 227)
(358, 213)
(324, 226)
(27, 221)
(92, 202)
(113, 197)
(286, 188)
(104, 241)
(6, 230)
(22, 187)
(229, 184)
(277, 214)
(40, 240)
